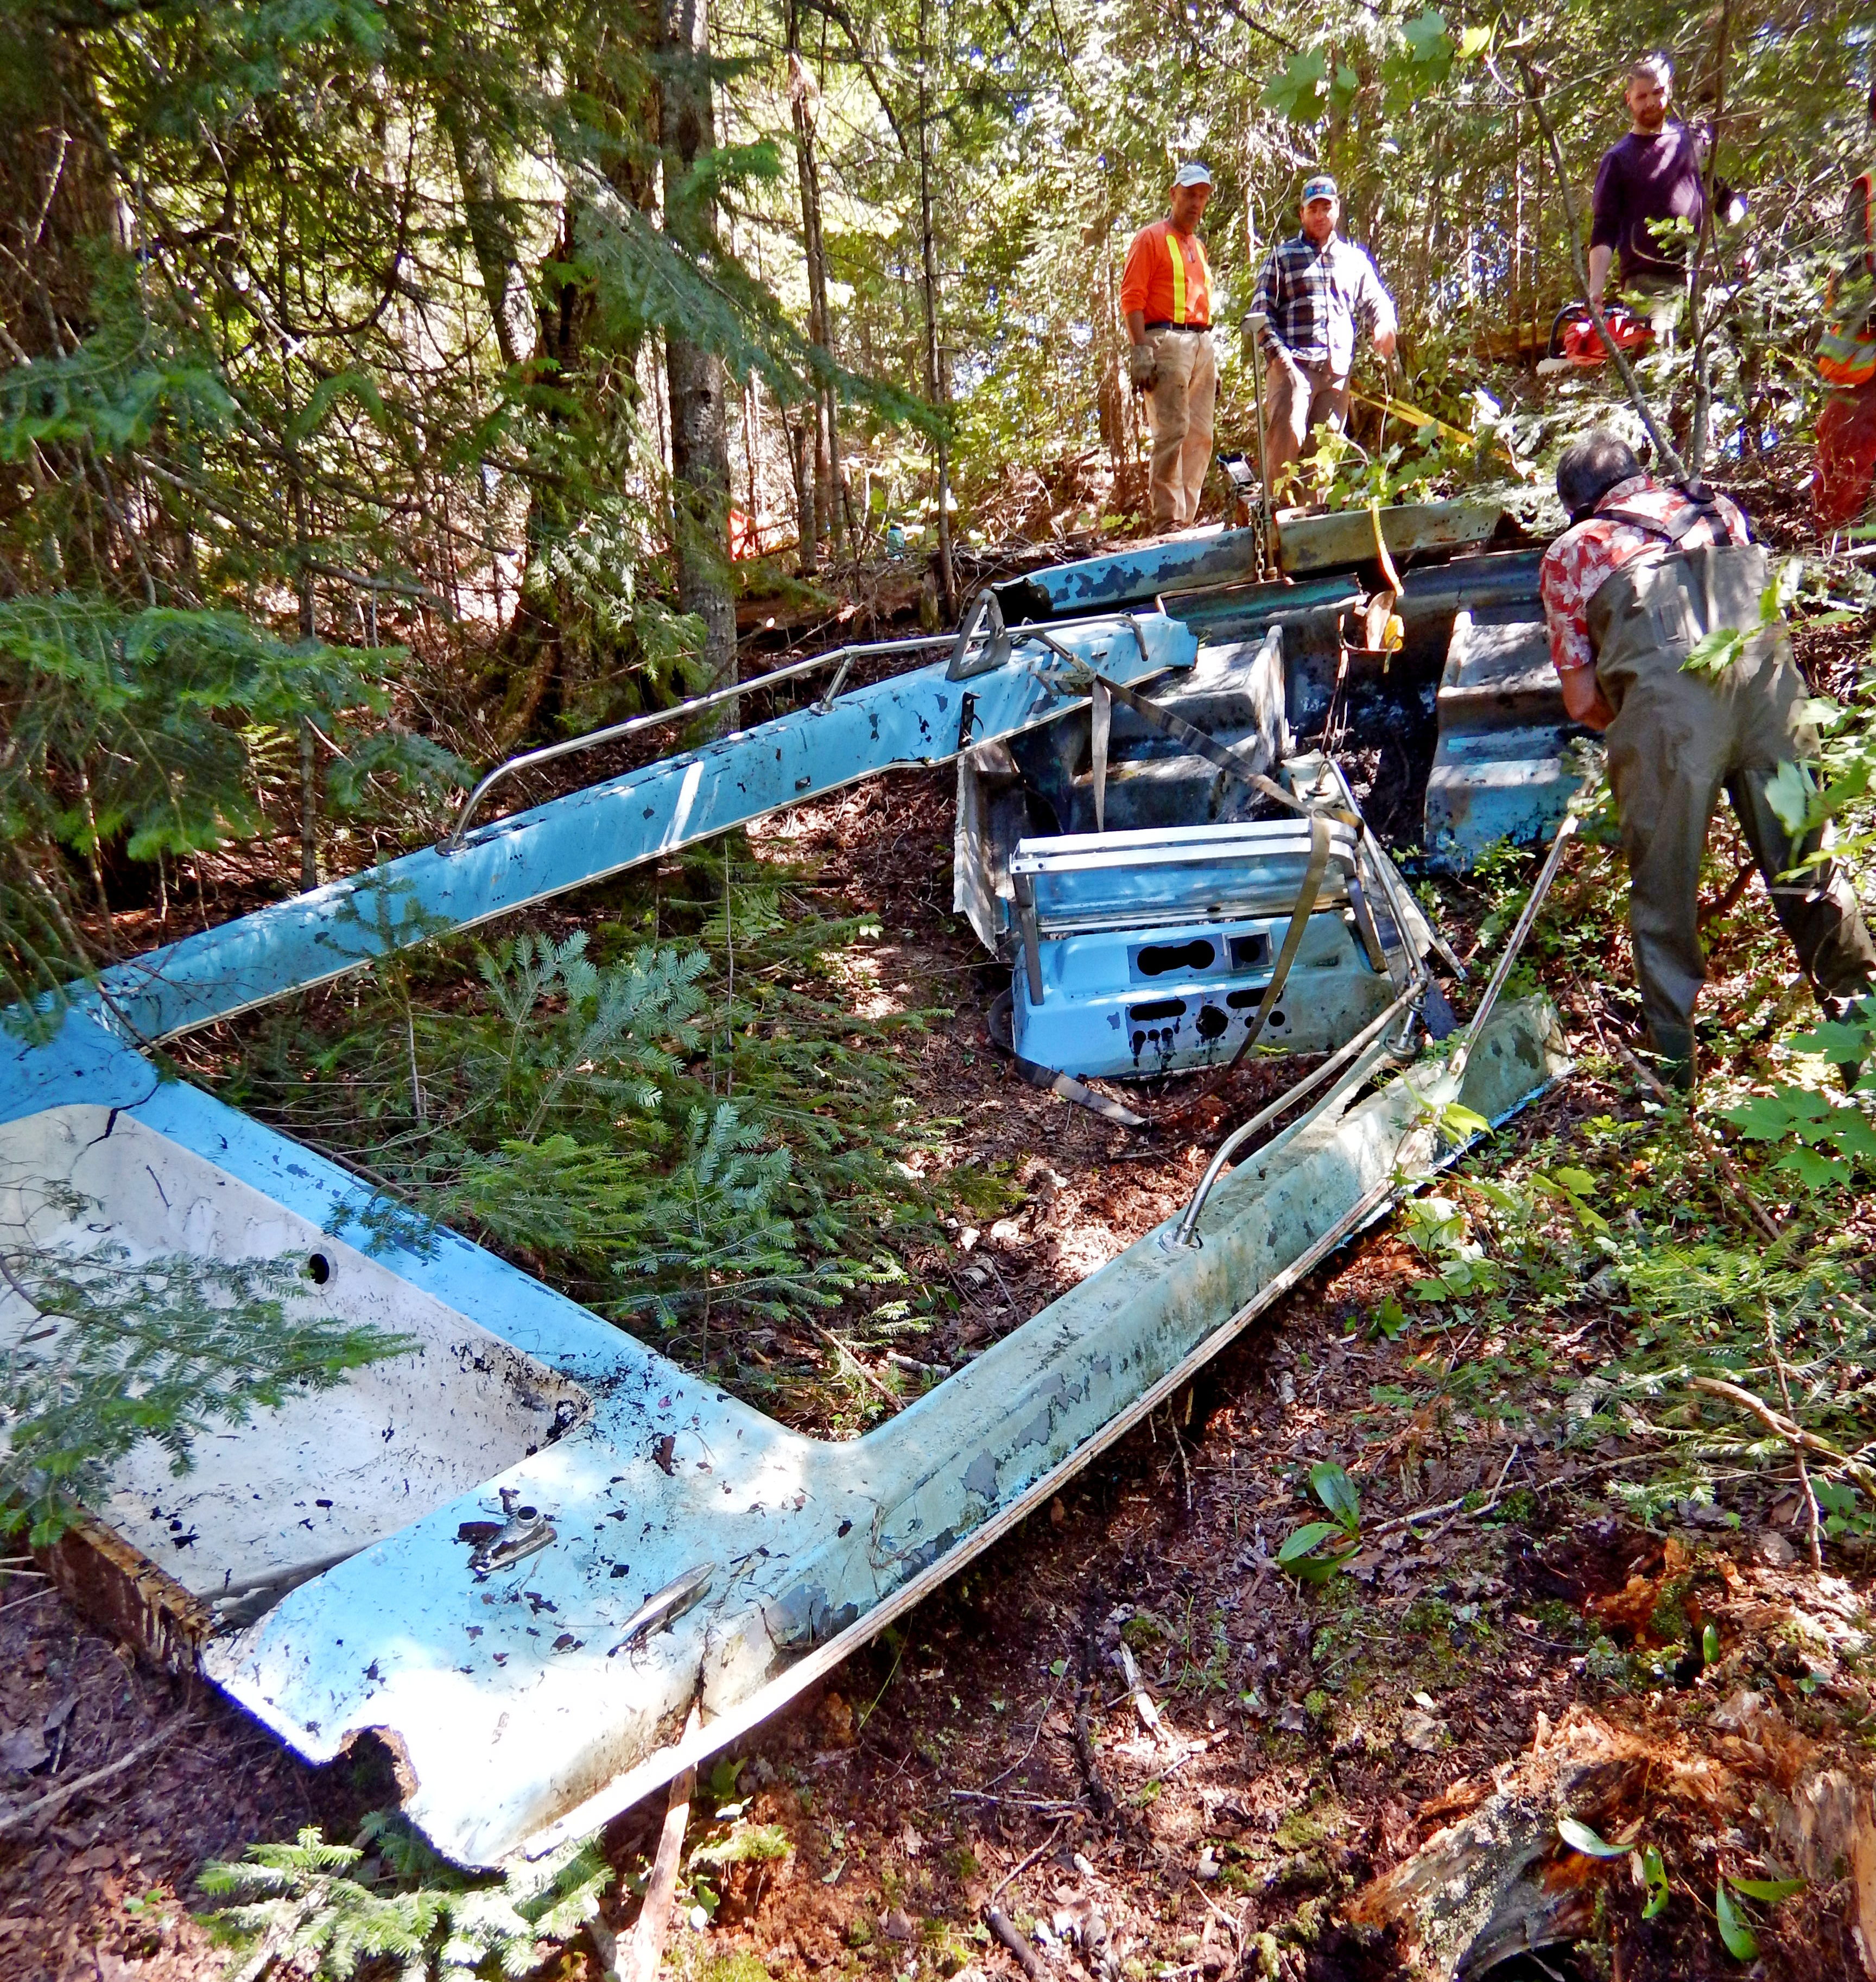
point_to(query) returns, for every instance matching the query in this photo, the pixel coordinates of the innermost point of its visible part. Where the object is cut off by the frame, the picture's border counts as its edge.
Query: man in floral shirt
(1643, 576)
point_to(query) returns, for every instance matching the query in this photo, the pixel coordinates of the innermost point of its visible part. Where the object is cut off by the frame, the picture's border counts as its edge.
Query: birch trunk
(934, 380)
(699, 425)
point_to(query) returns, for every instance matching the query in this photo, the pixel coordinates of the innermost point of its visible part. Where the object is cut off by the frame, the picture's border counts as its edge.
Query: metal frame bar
(1521, 929)
(1185, 1233)
(636, 725)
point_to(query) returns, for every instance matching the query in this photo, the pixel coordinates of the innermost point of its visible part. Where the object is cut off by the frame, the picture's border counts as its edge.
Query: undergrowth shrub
(696, 1139)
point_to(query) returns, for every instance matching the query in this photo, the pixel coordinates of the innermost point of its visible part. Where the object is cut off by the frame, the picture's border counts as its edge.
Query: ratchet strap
(1293, 938)
(1233, 762)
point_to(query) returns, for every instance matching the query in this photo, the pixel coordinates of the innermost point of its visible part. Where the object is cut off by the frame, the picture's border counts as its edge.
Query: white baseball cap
(1192, 174)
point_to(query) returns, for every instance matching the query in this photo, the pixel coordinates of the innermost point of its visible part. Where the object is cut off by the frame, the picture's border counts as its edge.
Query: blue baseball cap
(1321, 187)
(1192, 174)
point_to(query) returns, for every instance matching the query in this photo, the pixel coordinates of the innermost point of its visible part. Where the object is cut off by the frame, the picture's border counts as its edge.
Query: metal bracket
(1024, 889)
(982, 640)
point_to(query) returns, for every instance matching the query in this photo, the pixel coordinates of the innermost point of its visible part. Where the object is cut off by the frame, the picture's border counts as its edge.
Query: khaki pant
(1298, 398)
(1662, 300)
(1677, 740)
(1180, 406)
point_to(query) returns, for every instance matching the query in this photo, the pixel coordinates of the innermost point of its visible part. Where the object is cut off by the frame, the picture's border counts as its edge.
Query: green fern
(114, 1351)
(322, 1912)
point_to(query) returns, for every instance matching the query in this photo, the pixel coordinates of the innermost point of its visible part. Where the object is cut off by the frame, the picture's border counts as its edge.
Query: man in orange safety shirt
(1165, 296)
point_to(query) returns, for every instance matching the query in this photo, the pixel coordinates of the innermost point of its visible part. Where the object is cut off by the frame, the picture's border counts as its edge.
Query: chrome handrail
(1185, 1233)
(845, 656)
(1463, 1051)
(637, 725)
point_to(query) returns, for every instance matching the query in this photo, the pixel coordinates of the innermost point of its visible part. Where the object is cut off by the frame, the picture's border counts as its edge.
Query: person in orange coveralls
(1847, 363)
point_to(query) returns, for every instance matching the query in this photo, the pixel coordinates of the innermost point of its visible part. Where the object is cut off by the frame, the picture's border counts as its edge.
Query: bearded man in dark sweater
(1653, 174)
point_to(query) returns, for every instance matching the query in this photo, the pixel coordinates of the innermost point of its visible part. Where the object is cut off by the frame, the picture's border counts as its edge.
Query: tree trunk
(801, 455)
(492, 238)
(699, 428)
(934, 380)
(804, 99)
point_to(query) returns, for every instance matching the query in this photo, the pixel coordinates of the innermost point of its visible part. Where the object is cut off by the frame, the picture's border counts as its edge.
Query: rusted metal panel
(1501, 770)
(118, 1587)
(1345, 538)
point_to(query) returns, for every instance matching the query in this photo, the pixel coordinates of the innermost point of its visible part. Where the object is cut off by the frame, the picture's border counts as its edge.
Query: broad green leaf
(1296, 90)
(1390, 1318)
(1579, 1183)
(1764, 1117)
(1473, 42)
(1497, 1196)
(1460, 1125)
(1580, 1837)
(1714, 652)
(1813, 1171)
(1336, 1492)
(1655, 1873)
(1790, 792)
(1709, 1646)
(1836, 1040)
(1425, 33)
(1319, 1568)
(1310, 1536)
(1771, 1890)
(1741, 1943)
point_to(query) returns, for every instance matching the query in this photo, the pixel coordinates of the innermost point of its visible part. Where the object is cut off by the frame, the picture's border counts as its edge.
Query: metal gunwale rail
(1185, 1233)
(657, 718)
(1565, 833)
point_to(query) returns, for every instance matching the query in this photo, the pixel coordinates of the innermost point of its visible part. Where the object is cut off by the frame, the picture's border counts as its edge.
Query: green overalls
(1677, 739)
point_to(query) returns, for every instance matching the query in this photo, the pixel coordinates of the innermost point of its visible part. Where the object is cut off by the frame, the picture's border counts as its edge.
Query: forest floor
(1159, 1755)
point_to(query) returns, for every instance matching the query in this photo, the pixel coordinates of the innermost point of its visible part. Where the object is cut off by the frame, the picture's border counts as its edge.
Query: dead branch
(1458, 1507)
(841, 1349)
(645, 1951)
(1099, 1796)
(1794, 1435)
(1040, 1806)
(1798, 1451)
(42, 1807)
(1000, 1923)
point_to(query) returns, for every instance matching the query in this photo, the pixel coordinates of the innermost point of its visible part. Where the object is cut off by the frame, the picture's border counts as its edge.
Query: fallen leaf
(23, 1750)
(1422, 1732)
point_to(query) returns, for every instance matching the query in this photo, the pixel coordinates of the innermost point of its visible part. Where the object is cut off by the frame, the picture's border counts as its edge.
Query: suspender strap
(1677, 531)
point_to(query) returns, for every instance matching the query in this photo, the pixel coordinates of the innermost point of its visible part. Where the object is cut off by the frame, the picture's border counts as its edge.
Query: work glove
(1143, 363)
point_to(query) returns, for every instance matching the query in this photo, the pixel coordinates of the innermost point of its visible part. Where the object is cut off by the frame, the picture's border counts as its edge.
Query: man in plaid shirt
(1316, 291)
